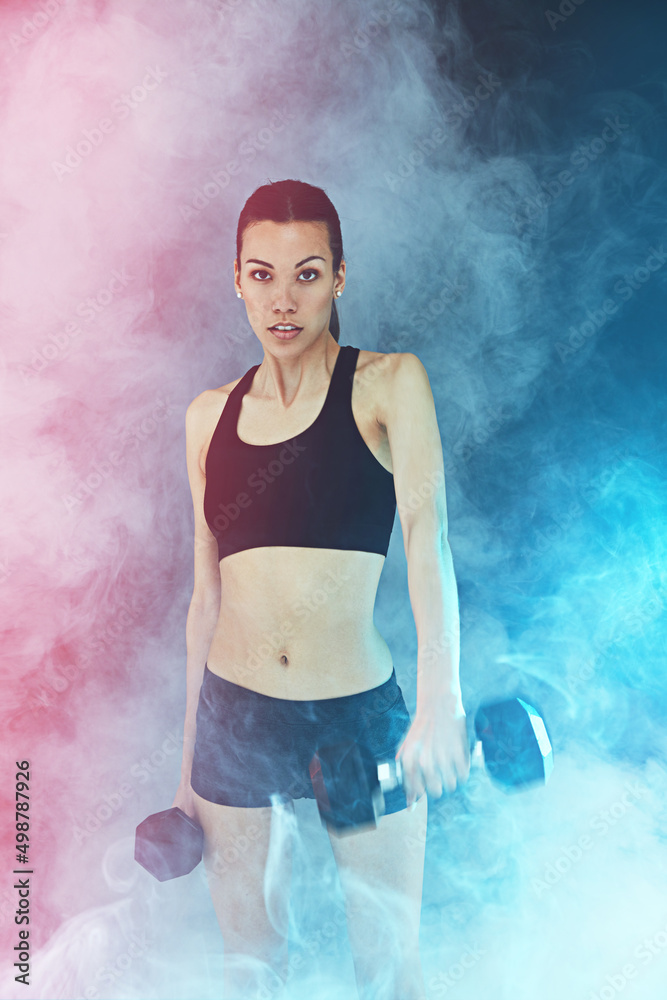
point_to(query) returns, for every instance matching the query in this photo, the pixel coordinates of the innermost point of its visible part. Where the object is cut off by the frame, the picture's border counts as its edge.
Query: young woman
(295, 470)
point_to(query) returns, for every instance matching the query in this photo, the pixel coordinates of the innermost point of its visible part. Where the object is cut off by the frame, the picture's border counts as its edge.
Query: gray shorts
(250, 746)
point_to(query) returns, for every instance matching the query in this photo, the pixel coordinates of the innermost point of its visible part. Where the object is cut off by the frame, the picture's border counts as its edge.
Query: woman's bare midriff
(294, 622)
(298, 622)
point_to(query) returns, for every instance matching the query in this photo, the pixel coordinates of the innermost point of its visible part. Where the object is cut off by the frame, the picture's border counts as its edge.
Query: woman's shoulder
(204, 412)
(384, 380)
(210, 400)
(386, 366)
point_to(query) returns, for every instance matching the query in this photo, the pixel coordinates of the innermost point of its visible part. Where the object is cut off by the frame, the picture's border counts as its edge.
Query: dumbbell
(169, 844)
(350, 785)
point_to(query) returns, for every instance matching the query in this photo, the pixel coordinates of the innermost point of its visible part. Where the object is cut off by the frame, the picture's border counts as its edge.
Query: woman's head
(282, 225)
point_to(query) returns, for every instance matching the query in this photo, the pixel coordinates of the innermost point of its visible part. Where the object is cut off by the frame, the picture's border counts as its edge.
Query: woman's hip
(250, 745)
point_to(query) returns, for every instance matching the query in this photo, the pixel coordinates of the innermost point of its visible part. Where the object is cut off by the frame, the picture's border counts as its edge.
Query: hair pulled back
(294, 201)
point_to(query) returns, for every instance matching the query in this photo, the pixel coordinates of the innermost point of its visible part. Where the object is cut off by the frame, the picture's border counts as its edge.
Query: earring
(338, 294)
(238, 295)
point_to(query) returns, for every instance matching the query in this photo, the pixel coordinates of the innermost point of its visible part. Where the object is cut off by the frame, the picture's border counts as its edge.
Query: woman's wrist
(445, 699)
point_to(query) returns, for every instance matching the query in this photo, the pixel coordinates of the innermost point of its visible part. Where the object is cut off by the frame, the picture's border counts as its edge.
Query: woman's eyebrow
(253, 260)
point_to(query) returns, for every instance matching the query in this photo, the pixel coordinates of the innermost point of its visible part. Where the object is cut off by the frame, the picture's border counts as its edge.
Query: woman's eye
(262, 275)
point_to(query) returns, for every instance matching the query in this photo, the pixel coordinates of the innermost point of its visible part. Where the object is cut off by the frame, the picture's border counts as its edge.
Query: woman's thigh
(248, 860)
(381, 872)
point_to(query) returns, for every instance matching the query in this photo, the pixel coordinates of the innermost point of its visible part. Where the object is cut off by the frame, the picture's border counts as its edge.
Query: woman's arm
(434, 600)
(199, 629)
(204, 608)
(436, 752)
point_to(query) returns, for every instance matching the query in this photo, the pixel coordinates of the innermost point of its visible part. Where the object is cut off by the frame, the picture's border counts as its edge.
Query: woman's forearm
(435, 606)
(199, 629)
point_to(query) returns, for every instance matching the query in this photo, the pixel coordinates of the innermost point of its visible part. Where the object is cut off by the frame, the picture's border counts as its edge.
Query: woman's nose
(283, 299)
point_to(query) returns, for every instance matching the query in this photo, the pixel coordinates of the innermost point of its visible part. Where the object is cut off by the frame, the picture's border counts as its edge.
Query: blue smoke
(499, 173)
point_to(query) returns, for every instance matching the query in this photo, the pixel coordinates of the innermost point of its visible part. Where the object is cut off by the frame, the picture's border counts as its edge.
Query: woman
(295, 471)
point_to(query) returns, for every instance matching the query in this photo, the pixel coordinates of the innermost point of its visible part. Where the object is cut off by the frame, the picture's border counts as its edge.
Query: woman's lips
(285, 334)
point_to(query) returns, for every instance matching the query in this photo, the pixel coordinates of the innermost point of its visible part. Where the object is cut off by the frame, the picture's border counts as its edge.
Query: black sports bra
(323, 488)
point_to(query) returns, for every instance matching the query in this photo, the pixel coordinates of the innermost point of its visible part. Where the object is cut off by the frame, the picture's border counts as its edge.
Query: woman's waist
(318, 660)
(219, 697)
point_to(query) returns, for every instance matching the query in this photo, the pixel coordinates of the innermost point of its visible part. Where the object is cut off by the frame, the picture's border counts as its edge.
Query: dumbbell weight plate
(351, 770)
(168, 844)
(516, 745)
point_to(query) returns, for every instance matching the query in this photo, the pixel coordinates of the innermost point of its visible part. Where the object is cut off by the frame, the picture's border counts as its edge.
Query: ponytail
(334, 325)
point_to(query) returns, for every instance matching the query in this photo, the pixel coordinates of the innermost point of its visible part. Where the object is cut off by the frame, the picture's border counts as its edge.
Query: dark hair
(294, 201)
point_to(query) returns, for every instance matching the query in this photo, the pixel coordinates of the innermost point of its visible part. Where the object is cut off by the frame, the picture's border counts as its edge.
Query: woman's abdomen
(298, 622)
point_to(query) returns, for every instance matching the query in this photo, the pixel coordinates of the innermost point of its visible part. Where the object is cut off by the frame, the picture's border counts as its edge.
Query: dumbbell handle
(390, 773)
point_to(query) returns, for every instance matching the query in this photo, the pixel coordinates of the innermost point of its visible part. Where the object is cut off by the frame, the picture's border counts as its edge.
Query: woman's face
(285, 276)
